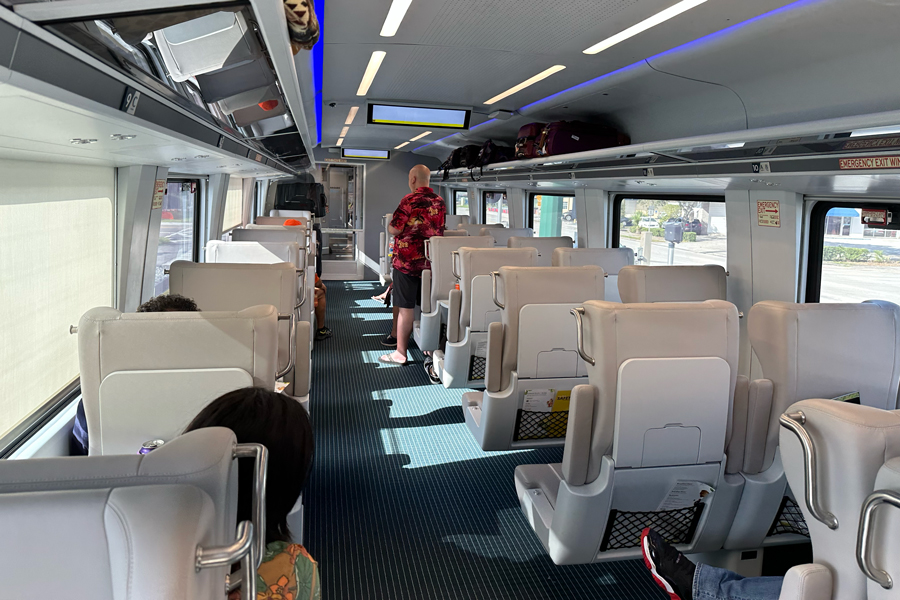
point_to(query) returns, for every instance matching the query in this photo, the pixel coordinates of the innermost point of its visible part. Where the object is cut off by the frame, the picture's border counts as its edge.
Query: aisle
(402, 504)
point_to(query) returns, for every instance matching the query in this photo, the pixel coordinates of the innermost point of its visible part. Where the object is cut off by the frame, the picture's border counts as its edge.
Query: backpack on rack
(526, 144)
(564, 137)
(489, 154)
(469, 156)
(452, 162)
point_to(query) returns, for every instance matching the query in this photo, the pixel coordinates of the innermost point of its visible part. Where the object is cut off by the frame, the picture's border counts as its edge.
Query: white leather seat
(454, 221)
(292, 214)
(234, 286)
(544, 245)
(851, 444)
(501, 235)
(672, 283)
(122, 526)
(635, 431)
(531, 351)
(144, 376)
(879, 551)
(279, 221)
(436, 285)
(306, 239)
(804, 351)
(471, 310)
(611, 260)
(455, 233)
(474, 229)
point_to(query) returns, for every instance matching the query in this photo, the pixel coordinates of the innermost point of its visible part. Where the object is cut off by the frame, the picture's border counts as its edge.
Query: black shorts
(407, 289)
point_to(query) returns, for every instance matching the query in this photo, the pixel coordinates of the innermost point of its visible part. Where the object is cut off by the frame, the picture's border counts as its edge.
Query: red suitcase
(526, 144)
(565, 137)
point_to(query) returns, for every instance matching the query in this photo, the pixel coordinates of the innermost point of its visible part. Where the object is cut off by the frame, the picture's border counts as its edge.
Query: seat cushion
(543, 477)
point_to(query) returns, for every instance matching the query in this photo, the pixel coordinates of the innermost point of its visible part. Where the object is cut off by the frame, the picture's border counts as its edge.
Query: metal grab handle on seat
(260, 454)
(223, 556)
(795, 422)
(293, 349)
(428, 250)
(453, 256)
(302, 277)
(73, 329)
(495, 275)
(579, 335)
(864, 537)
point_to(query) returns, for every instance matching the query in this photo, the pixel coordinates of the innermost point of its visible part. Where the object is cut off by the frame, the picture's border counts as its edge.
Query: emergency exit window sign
(768, 213)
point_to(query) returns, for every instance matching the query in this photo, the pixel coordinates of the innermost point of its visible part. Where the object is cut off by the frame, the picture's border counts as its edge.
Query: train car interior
(651, 248)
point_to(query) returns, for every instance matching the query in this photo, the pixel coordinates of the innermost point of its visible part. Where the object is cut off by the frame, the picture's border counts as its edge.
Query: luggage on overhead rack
(460, 158)
(491, 153)
(527, 142)
(565, 137)
(469, 156)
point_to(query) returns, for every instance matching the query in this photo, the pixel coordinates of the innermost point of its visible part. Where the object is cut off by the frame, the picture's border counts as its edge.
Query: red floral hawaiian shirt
(421, 215)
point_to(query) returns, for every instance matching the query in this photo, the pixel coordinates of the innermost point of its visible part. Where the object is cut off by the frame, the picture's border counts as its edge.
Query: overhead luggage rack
(211, 62)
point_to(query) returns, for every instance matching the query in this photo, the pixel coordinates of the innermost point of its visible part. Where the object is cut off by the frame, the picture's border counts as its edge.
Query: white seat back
(672, 283)
(455, 233)
(274, 233)
(279, 221)
(479, 263)
(883, 550)
(611, 260)
(137, 520)
(501, 235)
(637, 349)
(292, 214)
(234, 287)
(454, 221)
(258, 253)
(823, 351)
(475, 228)
(144, 376)
(519, 287)
(544, 245)
(439, 251)
(850, 444)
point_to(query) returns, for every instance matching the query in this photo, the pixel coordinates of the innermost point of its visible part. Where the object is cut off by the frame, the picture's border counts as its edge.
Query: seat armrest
(735, 446)
(494, 365)
(453, 314)
(759, 407)
(807, 582)
(577, 451)
(302, 365)
(426, 291)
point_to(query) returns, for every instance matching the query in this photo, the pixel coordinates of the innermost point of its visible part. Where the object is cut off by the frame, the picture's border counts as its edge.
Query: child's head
(278, 422)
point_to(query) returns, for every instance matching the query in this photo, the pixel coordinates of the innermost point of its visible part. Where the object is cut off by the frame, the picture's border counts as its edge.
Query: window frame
(616, 207)
(195, 251)
(815, 241)
(25, 429)
(530, 204)
(484, 194)
(453, 204)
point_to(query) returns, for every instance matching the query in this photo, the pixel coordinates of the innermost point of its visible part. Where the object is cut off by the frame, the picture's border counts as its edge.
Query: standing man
(421, 215)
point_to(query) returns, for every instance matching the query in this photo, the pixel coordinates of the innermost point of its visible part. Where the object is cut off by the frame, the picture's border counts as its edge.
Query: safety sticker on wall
(159, 191)
(546, 400)
(768, 213)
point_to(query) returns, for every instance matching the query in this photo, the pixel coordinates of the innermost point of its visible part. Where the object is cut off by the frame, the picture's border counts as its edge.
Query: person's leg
(404, 331)
(712, 583)
(320, 308)
(396, 312)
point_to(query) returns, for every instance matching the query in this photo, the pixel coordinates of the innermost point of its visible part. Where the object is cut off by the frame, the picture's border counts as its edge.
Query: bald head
(419, 176)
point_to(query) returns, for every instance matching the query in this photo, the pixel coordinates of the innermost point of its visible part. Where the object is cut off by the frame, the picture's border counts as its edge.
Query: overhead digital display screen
(419, 116)
(368, 154)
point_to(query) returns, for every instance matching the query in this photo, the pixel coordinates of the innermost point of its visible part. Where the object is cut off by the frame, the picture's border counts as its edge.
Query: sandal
(388, 359)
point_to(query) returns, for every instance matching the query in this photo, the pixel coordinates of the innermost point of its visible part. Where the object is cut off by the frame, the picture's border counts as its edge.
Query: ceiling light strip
(657, 19)
(344, 131)
(401, 145)
(351, 115)
(419, 137)
(339, 142)
(528, 82)
(395, 17)
(371, 71)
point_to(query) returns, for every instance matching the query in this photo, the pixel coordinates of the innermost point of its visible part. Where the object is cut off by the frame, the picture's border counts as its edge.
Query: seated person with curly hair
(281, 424)
(78, 444)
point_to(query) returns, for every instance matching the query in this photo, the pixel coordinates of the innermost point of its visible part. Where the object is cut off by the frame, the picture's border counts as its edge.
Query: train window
(56, 261)
(234, 204)
(177, 230)
(849, 261)
(496, 208)
(553, 216)
(703, 225)
(460, 202)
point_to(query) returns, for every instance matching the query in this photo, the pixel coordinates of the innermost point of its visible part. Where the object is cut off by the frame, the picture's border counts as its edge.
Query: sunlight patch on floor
(434, 445)
(500, 545)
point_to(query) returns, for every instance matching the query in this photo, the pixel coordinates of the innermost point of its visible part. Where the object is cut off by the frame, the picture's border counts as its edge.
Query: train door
(342, 226)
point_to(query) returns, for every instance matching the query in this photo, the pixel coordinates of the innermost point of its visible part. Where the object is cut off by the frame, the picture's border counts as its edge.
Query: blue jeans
(711, 583)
